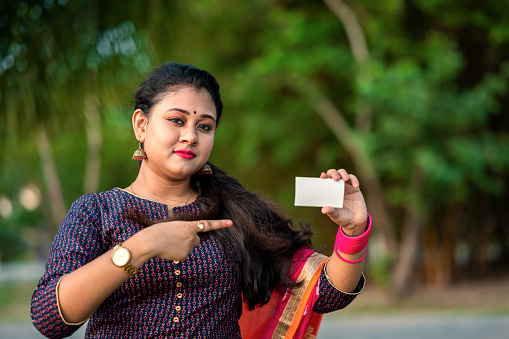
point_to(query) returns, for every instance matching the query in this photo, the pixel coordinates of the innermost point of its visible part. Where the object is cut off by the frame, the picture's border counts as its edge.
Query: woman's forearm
(345, 276)
(83, 290)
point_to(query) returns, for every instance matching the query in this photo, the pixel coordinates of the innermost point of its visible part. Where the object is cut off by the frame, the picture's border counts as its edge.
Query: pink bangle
(351, 261)
(351, 245)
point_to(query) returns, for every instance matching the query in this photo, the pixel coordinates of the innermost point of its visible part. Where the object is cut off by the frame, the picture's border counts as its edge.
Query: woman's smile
(185, 153)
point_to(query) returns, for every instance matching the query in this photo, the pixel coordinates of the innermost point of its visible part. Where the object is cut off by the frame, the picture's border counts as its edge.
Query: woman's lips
(185, 153)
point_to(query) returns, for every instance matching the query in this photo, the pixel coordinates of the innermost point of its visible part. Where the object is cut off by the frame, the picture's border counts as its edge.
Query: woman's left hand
(354, 215)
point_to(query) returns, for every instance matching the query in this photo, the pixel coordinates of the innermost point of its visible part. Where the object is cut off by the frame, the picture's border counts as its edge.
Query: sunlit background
(410, 95)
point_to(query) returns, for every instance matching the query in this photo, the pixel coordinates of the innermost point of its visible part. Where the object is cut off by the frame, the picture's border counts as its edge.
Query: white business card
(318, 192)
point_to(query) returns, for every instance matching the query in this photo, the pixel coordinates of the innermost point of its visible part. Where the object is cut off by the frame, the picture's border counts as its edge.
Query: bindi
(194, 112)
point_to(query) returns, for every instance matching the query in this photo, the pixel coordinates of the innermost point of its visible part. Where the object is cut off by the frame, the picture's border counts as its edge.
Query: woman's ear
(139, 124)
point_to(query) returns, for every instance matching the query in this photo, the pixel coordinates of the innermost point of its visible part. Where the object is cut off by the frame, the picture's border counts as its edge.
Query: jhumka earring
(206, 169)
(139, 154)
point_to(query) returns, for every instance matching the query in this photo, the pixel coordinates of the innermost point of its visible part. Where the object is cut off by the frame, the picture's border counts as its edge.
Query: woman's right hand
(175, 240)
(84, 289)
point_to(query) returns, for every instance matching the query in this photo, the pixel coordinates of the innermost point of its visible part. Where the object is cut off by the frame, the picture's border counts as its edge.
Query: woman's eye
(176, 121)
(205, 127)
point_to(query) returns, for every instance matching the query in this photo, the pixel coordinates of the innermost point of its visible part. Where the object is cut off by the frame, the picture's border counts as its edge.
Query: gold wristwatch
(121, 257)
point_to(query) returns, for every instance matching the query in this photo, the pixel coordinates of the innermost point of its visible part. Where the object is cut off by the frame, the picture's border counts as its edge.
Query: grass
(15, 301)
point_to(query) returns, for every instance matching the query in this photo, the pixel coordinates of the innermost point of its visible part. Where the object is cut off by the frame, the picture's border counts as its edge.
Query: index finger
(211, 225)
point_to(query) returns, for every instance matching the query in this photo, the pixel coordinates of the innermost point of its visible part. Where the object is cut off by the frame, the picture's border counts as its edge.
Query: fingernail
(229, 223)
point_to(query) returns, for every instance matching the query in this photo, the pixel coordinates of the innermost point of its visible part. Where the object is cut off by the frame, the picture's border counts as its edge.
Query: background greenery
(410, 95)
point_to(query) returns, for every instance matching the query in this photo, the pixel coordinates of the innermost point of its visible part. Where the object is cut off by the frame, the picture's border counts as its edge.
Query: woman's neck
(170, 192)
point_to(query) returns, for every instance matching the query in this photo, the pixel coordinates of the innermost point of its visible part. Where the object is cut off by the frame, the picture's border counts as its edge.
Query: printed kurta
(198, 298)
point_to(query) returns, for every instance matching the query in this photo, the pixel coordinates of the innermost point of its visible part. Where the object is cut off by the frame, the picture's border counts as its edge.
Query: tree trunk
(403, 269)
(439, 246)
(375, 199)
(410, 240)
(360, 52)
(353, 29)
(94, 143)
(334, 119)
(53, 187)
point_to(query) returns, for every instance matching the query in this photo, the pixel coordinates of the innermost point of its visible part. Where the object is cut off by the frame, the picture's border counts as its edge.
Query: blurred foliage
(435, 82)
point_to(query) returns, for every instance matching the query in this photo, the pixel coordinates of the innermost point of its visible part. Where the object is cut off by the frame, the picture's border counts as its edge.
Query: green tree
(407, 114)
(62, 65)
(409, 95)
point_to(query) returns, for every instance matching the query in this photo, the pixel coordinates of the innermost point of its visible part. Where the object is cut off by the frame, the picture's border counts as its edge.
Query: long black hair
(263, 236)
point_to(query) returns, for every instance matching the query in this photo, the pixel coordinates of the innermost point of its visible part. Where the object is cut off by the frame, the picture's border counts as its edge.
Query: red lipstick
(185, 153)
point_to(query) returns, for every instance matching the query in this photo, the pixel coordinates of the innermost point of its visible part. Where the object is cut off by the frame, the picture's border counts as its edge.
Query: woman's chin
(182, 173)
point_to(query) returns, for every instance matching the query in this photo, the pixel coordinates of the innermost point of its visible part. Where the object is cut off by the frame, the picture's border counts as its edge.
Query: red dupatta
(289, 315)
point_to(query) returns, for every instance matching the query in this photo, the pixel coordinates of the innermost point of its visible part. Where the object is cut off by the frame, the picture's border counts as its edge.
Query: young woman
(183, 249)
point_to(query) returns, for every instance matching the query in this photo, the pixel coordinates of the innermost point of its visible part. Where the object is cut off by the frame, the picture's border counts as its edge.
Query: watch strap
(130, 269)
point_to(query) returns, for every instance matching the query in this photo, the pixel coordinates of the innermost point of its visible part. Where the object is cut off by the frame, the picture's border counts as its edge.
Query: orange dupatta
(289, 315)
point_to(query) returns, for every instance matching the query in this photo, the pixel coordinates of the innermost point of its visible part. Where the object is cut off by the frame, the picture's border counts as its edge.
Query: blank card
(317, 192)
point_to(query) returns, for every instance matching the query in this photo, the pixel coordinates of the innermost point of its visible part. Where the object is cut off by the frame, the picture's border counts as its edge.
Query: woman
(182, 249)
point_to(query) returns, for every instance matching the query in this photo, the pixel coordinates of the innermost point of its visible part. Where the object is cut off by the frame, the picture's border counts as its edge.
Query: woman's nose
(188, 136)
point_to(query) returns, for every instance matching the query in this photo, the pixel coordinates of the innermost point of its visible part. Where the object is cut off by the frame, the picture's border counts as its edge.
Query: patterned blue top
(198, 298)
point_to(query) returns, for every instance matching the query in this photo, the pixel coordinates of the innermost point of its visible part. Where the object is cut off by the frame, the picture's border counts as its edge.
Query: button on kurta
(177, 272)
(179, 284)
(179, 295)
(178, 308)
(175, 320)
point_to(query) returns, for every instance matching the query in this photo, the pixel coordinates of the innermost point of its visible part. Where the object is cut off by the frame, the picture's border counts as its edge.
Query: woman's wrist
(351, 258)
(140, 252)
(352, 245)
(356, 230)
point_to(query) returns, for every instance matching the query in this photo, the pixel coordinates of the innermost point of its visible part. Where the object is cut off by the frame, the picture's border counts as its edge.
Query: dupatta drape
(289, 315)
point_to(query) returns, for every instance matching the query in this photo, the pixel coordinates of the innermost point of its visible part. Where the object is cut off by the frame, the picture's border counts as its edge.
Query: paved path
(27, 331)
(379, 327)
(415, 327)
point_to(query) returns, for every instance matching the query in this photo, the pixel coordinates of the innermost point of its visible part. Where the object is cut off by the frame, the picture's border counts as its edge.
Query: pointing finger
(211, 225)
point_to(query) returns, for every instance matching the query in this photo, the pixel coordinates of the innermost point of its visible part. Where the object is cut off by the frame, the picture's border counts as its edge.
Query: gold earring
(206, 169)
(139, 154)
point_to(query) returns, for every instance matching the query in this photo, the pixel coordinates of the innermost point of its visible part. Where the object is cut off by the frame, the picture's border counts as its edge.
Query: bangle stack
(351, 245)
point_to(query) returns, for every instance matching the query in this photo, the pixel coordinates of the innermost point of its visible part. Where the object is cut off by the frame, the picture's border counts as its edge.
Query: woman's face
(179, 135)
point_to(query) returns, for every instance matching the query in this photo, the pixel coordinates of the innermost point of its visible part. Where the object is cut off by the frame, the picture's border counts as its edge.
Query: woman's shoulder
(115, 203)
(105, 195)
(91, 201)
(114, 193)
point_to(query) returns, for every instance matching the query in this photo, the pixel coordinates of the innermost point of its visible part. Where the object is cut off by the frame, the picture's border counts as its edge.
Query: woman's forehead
(188, 98)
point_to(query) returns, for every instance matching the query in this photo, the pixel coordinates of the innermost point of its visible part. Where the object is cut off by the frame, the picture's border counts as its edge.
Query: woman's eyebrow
(181, 110)
(186, 112)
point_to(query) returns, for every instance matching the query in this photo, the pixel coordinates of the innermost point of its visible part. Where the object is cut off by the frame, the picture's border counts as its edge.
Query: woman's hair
(262, 236)
(170, 77)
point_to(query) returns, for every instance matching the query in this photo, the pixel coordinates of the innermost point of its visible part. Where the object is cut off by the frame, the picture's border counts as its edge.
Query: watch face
(121, 256)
